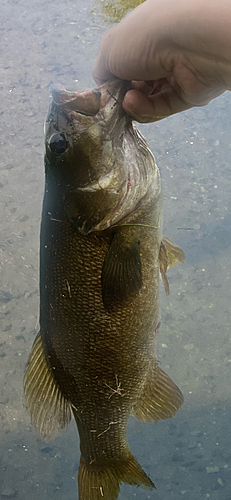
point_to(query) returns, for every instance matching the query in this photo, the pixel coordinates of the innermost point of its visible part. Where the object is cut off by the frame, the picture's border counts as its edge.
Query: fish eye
(58, 143)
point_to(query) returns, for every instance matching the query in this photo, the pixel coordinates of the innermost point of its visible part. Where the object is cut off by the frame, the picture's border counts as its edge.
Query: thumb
(149, 108)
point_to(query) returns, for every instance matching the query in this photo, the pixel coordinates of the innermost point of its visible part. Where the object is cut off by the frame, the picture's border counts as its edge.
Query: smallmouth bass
(101, 254)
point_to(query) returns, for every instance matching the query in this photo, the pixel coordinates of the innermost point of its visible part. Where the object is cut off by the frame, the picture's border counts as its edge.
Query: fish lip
(89, 102)
(86, 102)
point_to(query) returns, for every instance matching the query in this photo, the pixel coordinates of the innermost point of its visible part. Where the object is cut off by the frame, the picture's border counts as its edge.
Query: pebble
(212, 469)
(8, 493)
(188, 347)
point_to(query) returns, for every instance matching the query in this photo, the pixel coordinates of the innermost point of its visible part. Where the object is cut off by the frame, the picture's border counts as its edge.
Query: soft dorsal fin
(48, 408)
(170, 255)
(121, 273)
(160, 399)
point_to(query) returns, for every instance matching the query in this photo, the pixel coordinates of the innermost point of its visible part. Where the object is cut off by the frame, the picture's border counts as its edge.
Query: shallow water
(188, 456)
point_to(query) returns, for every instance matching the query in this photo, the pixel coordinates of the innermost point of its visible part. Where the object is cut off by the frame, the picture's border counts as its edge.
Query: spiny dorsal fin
(121, 273)
(160, 399)
(48, 408)
(170, 255)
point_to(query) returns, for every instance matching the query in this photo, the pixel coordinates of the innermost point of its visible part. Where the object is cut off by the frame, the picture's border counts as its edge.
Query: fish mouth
(86, 102)
(89, 102)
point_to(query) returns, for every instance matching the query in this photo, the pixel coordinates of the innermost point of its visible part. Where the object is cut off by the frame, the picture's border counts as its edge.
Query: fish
(101, 256)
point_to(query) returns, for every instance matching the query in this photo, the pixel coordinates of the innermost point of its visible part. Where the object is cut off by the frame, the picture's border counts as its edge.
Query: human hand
(176, 53)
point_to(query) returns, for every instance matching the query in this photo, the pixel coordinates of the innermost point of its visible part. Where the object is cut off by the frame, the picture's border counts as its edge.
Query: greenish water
(188, 456)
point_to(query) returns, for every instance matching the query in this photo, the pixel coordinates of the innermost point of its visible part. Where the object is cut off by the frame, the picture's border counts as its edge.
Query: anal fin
(160, 399)
(48, 408)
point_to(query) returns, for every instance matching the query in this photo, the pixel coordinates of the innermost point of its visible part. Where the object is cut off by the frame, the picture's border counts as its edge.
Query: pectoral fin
(48, 408)
(121, 273)
(170, 255)
(160, 399)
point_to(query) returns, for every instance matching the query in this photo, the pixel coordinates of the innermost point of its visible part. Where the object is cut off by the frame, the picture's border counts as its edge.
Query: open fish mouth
(89, 102)
(86, 102)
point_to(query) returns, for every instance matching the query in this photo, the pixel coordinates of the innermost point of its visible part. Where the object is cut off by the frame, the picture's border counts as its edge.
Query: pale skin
(177, 53)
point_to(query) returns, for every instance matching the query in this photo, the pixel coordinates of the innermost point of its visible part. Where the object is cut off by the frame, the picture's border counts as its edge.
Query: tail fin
(103, 483)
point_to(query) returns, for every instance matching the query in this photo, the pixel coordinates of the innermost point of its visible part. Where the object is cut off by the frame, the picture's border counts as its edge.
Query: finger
(144, 87)
(100, 73)
(144, 108)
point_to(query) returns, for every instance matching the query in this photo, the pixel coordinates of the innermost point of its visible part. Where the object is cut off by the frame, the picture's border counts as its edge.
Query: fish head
(91, 154)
